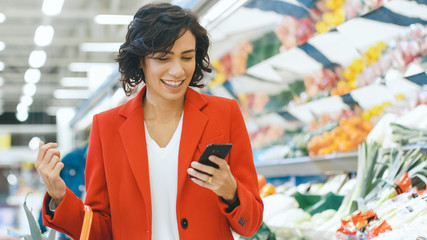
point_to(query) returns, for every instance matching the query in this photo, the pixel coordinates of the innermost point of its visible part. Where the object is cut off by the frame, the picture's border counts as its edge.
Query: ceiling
(73, 26)
(76, 25)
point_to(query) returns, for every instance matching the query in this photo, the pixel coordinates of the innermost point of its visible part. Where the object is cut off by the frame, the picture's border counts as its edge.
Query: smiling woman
(158, 38)
(142, 153)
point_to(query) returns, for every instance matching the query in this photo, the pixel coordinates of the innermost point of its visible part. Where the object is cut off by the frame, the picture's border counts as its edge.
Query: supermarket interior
(333, 94)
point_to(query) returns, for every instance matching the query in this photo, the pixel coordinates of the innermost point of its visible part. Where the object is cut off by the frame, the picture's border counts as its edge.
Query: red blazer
(117, 180)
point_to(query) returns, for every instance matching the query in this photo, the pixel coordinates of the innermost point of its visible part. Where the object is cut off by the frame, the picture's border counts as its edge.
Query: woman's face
(168, 76)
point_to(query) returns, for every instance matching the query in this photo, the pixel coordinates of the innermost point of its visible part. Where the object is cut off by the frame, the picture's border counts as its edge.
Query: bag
(87, 222)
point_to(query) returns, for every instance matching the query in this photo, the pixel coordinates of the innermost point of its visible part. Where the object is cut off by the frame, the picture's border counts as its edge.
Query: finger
(44, 148)
(50, 154)
(217, 160)
(201, 176)
(201, 183)
(202, 167)
(53, 162)
(57, 169)
(42, 152)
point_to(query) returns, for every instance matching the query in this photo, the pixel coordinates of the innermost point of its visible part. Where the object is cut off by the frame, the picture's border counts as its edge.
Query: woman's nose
(176, 69)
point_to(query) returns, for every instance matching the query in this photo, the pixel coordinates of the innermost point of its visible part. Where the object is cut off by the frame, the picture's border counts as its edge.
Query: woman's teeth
(172, 83)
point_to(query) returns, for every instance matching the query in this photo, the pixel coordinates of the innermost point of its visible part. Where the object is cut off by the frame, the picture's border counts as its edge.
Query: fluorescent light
(113, 19)
(52, 7)
(74, 82)
(22, 116)
(37, 58)
(2, 46)
(32, 75)
(1, 81)
(1, 66)
(221, 10)
(44, 35)
(71, 94)
(100, 47)
(2, 17)
(26, 100)
(29, 89)
(84, 67)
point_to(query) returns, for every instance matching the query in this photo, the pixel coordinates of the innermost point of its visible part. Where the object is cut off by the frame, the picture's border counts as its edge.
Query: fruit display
(344, 138)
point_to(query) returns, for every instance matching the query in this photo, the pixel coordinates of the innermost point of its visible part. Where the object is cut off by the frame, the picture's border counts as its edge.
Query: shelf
(15, 156)
(305, 166)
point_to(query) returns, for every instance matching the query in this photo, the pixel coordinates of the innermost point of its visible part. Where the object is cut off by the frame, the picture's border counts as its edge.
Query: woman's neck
(159, 110)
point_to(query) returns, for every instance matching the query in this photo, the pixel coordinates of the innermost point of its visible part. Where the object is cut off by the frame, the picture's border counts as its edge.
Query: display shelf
(305, 166)
(15, 156)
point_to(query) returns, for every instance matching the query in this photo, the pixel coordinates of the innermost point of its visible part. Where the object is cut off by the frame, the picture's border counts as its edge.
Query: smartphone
(220, 150)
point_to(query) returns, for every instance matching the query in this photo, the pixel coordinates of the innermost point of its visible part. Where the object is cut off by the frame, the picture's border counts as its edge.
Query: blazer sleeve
(246, 218)
(68, 216)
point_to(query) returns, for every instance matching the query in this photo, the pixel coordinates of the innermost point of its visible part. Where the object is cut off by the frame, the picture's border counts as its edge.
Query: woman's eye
(162, 59)
(187, 58)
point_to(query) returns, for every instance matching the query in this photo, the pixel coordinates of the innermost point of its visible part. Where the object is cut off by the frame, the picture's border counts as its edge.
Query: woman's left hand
(221, 180)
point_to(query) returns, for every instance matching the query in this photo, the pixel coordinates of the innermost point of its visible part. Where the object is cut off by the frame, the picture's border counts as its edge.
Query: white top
(163, 166)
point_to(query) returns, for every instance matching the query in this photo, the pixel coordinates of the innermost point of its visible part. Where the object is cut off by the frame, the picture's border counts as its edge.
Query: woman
(142, 153)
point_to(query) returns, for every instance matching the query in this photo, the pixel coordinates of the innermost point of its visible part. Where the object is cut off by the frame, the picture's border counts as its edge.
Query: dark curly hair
(155, 28)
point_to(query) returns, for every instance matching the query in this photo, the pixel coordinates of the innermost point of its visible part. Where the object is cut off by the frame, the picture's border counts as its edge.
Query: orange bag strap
(87, 222)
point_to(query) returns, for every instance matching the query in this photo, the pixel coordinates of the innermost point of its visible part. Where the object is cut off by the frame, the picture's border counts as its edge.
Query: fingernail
(211, 158)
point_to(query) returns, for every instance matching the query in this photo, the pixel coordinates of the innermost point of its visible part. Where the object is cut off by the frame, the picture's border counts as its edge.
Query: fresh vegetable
(344, 138)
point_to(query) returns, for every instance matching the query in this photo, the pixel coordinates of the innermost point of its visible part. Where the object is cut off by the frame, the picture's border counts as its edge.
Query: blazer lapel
(194, 123)
(132, 134)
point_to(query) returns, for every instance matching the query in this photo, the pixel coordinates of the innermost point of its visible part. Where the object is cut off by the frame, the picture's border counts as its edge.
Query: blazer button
(184, 223)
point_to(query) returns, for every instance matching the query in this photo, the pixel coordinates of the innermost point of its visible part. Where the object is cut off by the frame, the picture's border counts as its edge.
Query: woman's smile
(173, 84)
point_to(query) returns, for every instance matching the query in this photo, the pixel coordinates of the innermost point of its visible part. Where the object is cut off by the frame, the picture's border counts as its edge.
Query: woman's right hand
(49, 165)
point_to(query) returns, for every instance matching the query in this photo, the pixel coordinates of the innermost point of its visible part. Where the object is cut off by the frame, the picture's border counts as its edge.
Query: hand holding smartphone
(219, 150)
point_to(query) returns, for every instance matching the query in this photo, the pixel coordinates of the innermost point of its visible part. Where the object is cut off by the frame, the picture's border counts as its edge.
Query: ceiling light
(22, 116)
(32, 75)
(2, 46)
(84, 67)
(1, 81)
(34, 143)
(52, 7)
(22, 107)
(74, 82)
(12, 179)
(29, 89)
(100, 47)
(1, 66)
(2, 17)
(71, 94)
(26, 100)
(113, 19)
(44, 35)
(37, 58)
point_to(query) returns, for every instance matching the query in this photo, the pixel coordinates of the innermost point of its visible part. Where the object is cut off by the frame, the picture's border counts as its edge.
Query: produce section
(335, 105)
